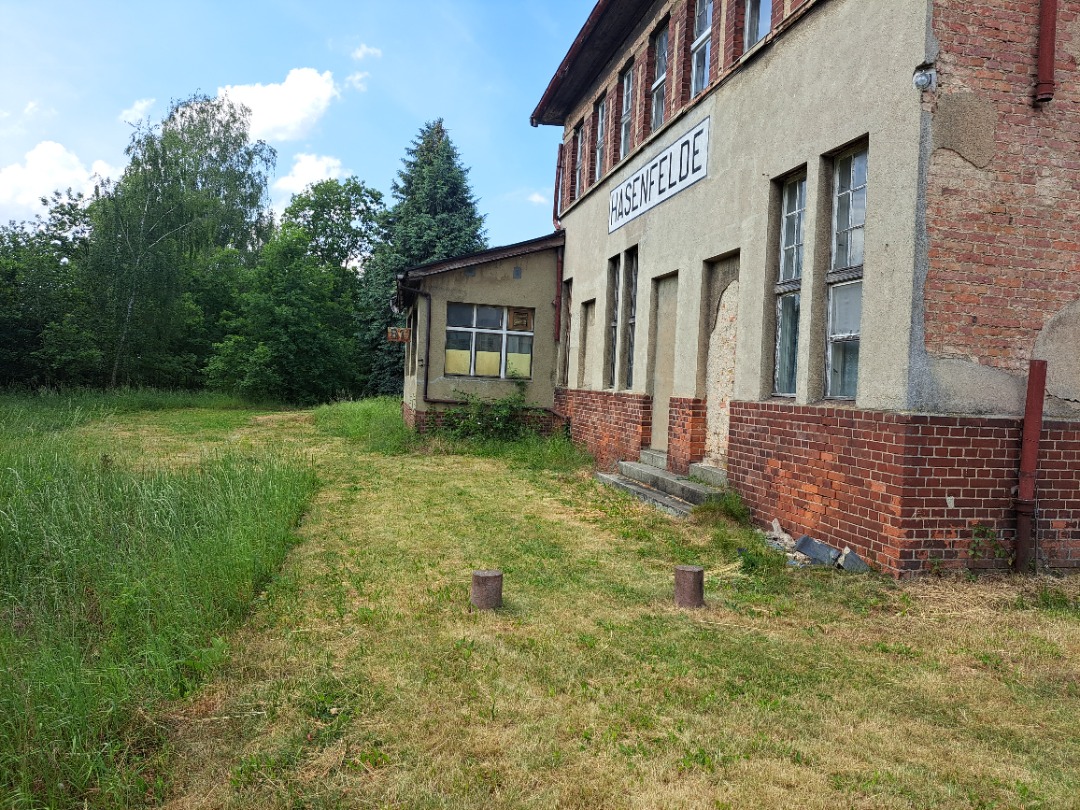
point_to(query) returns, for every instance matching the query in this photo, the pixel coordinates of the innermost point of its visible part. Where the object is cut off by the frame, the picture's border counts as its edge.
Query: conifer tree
(434, 217)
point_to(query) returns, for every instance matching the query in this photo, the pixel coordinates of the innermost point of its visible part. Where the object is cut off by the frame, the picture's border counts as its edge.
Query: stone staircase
(649, 480)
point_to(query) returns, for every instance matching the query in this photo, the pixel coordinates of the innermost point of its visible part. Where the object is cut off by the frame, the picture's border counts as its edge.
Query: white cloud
(308, 169)
(366, 50)
(536, 198)
(137, 111)
(46, 168)
(33, 109)
(286, 111)
(358, 81)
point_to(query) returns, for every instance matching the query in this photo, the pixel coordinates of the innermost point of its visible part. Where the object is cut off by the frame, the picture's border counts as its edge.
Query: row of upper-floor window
(607, 136)
(838, 335)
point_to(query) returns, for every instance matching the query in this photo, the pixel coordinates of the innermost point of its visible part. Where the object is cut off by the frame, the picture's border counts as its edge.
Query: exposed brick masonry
(540, 419)
(686, 433)
(1005, 238)
(613, 426)
(904, 490)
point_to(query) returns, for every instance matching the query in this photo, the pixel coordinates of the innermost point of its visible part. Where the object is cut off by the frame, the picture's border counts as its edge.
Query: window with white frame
(701, 47)
(757, 23)
(626, 124)
(579, 159)
(789, 285)
(600, 117)
(844, 280)
(659, 85)
(488, 341)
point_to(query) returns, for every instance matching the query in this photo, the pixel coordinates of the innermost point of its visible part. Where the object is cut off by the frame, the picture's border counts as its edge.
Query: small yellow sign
(398, 334)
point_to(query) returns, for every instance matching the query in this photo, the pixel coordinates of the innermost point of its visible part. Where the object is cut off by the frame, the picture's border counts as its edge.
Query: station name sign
(676, 168)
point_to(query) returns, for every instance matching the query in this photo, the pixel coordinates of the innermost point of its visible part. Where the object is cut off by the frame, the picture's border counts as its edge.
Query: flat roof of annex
(608, 25)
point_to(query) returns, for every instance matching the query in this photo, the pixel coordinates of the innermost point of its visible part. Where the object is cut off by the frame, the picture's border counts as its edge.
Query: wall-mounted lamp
(925, 78)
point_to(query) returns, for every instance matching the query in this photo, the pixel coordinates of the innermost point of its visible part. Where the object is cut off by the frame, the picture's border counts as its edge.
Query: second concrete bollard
(486, 590)
(689, 586)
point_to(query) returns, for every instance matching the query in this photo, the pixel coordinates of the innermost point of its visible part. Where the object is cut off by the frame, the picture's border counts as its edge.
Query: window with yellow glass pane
(488, 341)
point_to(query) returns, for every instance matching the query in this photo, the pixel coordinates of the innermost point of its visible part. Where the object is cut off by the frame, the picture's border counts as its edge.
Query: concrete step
(713, 476)
(654, 497)
(668, 483)
(654, 458)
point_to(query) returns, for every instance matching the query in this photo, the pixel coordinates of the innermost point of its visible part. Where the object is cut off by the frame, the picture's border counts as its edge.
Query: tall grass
(375, 426)
(49, 409)
(115, 588)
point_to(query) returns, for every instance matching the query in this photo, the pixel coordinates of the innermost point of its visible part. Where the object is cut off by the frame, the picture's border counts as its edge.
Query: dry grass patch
(364, 680)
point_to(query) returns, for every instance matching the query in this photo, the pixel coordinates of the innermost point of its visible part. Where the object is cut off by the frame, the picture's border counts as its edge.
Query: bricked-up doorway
(723, 326)
(661, 382)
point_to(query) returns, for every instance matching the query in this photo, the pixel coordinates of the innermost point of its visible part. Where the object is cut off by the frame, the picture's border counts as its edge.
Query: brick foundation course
(686, 433)
(906, 491)
(613, 426)
(541, 420)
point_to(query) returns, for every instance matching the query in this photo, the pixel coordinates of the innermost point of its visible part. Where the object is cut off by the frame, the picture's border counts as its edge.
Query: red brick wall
(1004, 239)
(686, 433)
(906, 491)
(540, 419)
(613, 426)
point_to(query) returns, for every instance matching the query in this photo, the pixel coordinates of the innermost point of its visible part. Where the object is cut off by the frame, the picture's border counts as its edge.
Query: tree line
(177, 275)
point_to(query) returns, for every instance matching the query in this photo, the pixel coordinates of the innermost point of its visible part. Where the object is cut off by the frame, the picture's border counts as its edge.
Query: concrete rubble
(783, 542)
(808, 551)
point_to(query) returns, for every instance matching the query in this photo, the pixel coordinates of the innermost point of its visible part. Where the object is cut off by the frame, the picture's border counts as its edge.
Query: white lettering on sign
(678, 167)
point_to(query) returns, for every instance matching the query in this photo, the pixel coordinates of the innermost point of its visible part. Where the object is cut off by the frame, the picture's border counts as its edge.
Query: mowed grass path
(362, 679)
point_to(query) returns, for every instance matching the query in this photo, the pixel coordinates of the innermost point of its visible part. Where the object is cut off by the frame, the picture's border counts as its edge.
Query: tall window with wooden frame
(845, 277)
(701, 49)
(613, 322)
(658, 90)
(630, 274)
(789, 284)
(757, 22)
(626, 119)
(576, 187)
(600, 131)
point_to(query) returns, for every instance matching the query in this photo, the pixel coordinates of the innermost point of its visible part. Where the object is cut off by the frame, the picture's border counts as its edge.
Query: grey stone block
(819, 553)
(852, 562)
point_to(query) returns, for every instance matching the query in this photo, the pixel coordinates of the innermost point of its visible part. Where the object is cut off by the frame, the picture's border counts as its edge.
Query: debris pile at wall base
(808, 551)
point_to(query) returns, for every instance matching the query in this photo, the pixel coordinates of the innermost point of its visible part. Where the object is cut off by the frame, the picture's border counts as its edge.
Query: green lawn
(361, 678)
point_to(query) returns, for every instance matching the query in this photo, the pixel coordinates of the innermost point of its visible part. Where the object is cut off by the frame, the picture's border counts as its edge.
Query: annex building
(813, 245)
(479, 325)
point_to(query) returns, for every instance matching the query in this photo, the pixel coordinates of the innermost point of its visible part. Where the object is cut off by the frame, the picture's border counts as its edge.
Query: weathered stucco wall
(789, 105)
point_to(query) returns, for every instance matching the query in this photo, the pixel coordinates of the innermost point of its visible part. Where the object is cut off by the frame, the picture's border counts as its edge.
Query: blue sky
(337, 88)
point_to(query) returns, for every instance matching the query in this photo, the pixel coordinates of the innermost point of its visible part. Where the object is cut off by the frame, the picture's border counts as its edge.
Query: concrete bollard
(689, 586)
(486, 590)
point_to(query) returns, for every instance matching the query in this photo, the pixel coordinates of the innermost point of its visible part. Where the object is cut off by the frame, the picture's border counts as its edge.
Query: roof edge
(546, 242)
(577, 46)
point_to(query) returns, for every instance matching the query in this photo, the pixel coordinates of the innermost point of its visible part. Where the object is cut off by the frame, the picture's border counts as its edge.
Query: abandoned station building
(812, 246)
